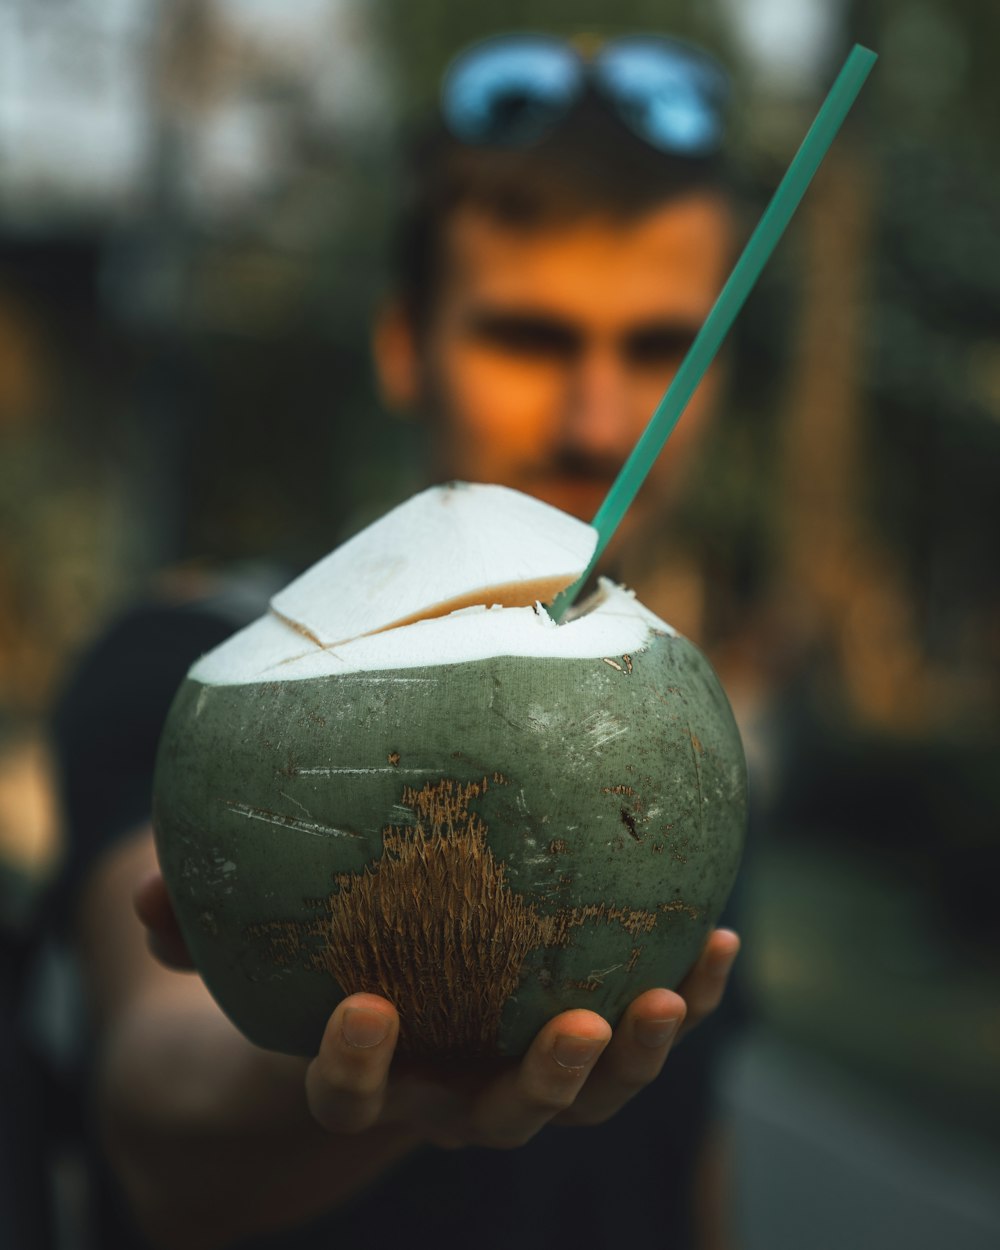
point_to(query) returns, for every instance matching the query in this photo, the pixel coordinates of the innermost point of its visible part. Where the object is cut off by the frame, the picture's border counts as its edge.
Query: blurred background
(195, 204)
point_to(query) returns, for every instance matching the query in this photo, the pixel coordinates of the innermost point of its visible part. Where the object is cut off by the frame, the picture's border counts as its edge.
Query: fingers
(703, 987)
(652, 1023)
(163, 935)
(575, 1072)
(523, 1099)
(346, 1083)
(634, 1057)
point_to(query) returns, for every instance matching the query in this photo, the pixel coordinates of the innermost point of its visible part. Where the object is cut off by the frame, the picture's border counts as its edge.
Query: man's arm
(214, 1139)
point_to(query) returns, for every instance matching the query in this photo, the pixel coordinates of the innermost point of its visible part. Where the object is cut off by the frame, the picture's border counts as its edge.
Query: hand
(575, 1072)
(163, 934)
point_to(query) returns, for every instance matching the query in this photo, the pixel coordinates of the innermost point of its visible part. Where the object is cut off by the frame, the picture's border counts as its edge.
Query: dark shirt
(628, 1181)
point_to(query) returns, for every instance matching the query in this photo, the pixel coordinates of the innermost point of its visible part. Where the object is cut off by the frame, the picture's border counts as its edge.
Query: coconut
(407, 779)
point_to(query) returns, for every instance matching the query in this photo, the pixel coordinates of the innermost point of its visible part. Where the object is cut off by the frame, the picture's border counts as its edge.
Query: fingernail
(655, 1033)
(575, 1052)
(362, 1027)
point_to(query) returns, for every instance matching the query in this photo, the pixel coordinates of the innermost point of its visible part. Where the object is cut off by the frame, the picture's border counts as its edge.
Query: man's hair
(590, 165)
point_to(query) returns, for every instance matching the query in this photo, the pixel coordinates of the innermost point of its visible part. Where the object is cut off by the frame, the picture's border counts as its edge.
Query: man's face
(549, 349)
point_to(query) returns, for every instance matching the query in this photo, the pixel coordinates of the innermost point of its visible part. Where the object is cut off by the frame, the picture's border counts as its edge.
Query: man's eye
(657, 347)
(525, 336)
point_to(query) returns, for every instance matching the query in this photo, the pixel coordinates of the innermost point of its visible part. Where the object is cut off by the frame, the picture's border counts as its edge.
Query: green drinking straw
(731, 299)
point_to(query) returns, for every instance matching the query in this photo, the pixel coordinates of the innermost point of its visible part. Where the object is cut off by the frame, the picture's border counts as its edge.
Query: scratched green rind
(567, 734)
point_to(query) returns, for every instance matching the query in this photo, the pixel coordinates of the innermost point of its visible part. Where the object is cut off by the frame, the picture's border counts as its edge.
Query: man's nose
(595, 417)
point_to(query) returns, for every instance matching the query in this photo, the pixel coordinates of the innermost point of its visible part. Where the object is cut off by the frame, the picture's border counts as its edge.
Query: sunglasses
(513, 90)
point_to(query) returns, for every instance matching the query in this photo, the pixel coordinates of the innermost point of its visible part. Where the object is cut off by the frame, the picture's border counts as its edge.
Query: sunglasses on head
(513, 90)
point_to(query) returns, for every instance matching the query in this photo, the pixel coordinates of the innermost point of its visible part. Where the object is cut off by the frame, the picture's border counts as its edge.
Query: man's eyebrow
(530, 330)
(652, 339)
(524, 329)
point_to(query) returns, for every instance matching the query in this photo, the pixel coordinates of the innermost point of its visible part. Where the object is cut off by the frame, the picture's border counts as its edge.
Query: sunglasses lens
(510, 90)
(672, 96)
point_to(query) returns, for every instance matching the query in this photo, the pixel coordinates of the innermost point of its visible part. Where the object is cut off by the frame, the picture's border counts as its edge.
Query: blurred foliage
(934, 367)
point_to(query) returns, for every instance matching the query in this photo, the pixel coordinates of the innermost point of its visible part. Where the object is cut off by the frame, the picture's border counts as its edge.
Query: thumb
(163, 934)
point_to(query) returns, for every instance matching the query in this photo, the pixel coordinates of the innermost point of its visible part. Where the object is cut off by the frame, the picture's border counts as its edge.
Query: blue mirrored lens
(673, 98)
(509, 91)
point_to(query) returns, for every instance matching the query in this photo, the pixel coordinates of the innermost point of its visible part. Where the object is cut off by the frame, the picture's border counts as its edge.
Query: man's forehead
(670, 261)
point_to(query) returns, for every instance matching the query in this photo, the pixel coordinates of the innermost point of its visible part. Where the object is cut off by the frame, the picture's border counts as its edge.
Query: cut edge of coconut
(611, 623)
(449, 547)
(541, 591)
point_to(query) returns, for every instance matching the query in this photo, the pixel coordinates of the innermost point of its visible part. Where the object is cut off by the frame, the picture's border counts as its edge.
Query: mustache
(581, 467)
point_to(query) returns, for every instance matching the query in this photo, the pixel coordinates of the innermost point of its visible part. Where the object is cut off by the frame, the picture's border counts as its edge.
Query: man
(554, 266)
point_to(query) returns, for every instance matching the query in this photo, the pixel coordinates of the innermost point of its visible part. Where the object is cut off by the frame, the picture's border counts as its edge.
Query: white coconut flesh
(450, 547)
(452, 611)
